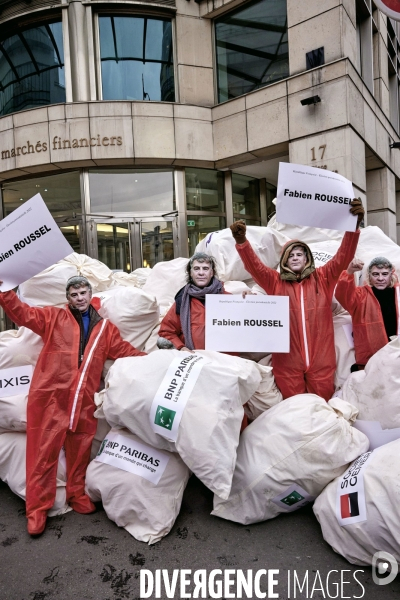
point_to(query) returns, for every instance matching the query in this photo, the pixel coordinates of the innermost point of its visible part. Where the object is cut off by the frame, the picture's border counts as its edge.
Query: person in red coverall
(77, 341)
(374, 307)
(311, 363)
(184, 323)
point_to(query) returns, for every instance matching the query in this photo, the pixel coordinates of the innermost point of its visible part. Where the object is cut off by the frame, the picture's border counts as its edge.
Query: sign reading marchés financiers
(314, 197)
(30, 241)
(133, 456)
(255, 324)
(174, 392)
(58, 143)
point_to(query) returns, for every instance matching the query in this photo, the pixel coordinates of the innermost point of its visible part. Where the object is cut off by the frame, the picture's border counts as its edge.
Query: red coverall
(60, 401)
(171, 329)
(311, 363)
(368, 328)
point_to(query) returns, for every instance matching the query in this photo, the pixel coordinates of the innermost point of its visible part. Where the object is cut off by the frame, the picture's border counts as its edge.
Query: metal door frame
(135, 233)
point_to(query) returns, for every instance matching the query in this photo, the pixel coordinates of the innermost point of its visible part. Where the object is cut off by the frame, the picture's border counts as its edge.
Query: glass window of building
(205, 190)
(31, 67)
(200, 226)
(252, 47)
(62, 195)
(127, 191)
(136, 57)
(246, 199)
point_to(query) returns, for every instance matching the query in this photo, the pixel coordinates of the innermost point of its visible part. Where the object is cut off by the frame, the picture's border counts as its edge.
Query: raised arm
(347, 293)
(345, 254)
(34, 318)
(263, 275)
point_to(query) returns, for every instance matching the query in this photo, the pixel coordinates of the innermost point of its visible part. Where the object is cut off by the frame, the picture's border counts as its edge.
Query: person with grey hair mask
(374, 307)
(184, 323)
(60, 411)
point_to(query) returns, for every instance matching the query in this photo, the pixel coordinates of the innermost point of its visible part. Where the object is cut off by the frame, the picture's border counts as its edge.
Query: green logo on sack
(164, 417)
(103, 443)
(293, 498)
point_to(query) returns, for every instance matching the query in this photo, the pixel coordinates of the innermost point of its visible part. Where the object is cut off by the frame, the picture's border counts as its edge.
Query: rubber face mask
(380, 278)
(201, 273)
(79, 298)
(297, 260)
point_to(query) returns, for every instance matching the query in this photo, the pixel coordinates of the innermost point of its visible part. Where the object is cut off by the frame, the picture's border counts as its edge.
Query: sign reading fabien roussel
(30, 241)
(254, 324)
(314, 197)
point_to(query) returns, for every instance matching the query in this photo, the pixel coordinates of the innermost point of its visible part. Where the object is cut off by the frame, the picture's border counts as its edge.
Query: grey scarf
(191, 290)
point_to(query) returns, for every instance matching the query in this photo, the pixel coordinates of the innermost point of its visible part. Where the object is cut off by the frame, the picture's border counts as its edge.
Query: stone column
(194, 58)
(78, 41)
(381, 200)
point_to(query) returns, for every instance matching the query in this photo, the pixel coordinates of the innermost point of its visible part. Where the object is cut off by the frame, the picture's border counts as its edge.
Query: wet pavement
(88, 557)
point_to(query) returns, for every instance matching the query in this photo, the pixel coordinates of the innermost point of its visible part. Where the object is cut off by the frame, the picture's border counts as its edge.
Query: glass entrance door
(157, 242)
(126, 246)
(113, 245)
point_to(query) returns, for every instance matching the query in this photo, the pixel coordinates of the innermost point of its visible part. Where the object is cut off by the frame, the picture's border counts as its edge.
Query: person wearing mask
(374, 307)
(311, 363)
(77, 342)
(184, 323)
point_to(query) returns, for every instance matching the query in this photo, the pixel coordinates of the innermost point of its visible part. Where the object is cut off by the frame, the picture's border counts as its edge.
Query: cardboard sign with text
(30, 241)
(314, 197)
(253, 324)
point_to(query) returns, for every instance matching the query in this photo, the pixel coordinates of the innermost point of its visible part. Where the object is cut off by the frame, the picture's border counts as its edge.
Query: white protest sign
(173, 393)
(314, 197)
(30, 241)
(350, 497)
(254, 324)
(15, 381)
(135, 457)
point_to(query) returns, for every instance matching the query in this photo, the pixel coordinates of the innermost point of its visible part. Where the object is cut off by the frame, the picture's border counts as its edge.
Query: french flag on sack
(349, 505)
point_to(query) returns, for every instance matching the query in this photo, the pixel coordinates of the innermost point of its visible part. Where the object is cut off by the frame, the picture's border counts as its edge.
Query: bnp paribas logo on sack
(164, 417)
(293, 498)
(103, 445)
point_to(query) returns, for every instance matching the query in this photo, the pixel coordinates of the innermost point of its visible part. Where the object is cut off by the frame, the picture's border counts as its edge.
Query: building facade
(147, 124)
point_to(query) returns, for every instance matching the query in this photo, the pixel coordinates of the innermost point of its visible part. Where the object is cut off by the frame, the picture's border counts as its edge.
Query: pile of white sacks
(164, 416)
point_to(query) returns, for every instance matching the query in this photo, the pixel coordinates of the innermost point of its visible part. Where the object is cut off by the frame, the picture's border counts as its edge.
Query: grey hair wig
(201, 257)
(381, 262)
(77, 281)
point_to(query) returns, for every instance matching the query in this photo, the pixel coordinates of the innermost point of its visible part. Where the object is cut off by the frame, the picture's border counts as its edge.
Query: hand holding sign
(357, 210)
(316, 198)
